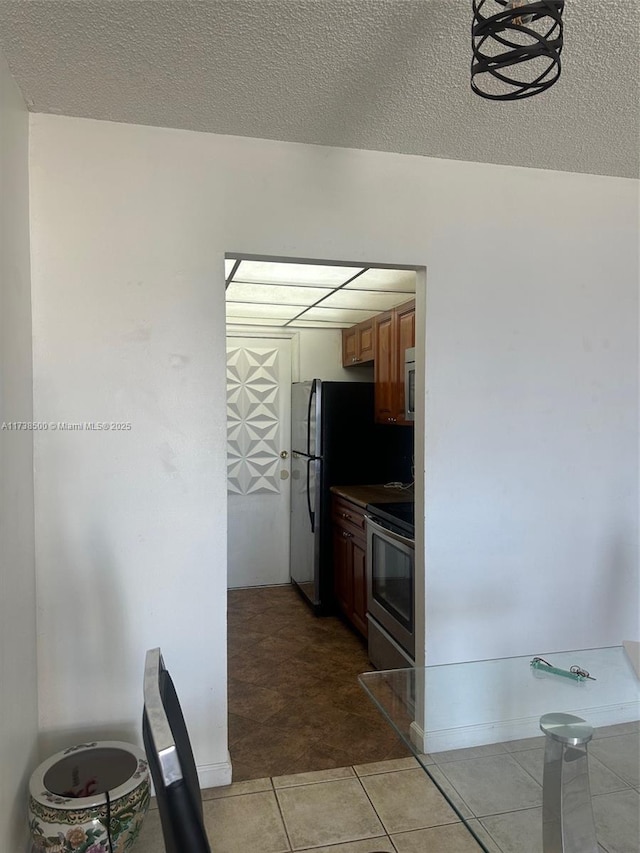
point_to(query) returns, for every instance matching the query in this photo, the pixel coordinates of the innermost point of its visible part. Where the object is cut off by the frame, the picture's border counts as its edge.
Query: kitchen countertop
(363, 495)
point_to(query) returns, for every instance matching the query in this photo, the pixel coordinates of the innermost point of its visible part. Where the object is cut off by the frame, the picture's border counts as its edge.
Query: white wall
(18, 677)
(531, 440)
(317, 353)
(321, 358)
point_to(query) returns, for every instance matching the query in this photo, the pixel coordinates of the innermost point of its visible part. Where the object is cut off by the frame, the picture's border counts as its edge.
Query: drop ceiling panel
(239, 291)
(301, 274)
(274, 298)
(317, 324)
(266, 312)
(339, 315)
(254, 321)
(381, 279)
(365, 299)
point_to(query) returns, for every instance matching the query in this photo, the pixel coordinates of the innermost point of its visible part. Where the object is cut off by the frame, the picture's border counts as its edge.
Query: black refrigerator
(334, 442)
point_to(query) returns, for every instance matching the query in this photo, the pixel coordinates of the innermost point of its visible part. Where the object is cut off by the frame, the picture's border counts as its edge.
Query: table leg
(567, 816)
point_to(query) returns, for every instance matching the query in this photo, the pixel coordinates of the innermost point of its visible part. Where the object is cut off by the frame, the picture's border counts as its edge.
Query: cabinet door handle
(347, 535)
(345, 515)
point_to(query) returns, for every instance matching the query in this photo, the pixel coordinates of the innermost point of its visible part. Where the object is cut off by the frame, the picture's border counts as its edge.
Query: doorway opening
(316, 356)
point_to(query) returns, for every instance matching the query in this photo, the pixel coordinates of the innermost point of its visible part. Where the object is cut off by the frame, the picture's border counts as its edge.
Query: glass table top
(437, 709)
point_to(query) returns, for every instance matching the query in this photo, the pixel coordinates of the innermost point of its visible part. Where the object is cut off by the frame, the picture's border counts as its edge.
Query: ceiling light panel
(302, 274)
(240, 291)
(317, 324)
(266, 312)
(378, 279)
(369, 300)
(255, 321)
(338, 315)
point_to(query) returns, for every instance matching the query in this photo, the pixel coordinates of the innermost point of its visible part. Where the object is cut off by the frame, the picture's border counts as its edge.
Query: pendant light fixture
(516, 47)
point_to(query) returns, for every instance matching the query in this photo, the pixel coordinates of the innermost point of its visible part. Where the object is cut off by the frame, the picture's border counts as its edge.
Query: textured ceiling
(388, 75)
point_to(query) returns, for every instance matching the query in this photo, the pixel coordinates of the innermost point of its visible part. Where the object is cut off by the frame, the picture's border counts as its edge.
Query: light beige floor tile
(409, 763)
(450, 792)
(248, 823)
(407, 800)
(620, 753)
(494, 784)
(617, 729)
(251, 786)
(601, 779)
(617, 819)
(516, 832)
(454, 838)
(371, 845)
(524, 743)
(469, 752)
(150, 839)
(313, 776)
(481, 833)
(328, 813)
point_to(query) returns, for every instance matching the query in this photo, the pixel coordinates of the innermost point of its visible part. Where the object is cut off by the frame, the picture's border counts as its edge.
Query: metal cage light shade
(516, 50)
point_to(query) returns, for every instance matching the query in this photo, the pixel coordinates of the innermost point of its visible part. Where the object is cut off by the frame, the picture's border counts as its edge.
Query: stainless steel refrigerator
(334, 442)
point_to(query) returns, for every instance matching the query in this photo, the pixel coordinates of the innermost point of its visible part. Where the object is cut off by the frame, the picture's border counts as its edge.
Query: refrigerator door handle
(312, 394)
(312, 515)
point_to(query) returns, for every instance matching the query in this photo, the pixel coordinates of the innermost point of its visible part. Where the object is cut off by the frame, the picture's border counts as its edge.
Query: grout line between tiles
(284, 823)
(522, 767)
(375, 811)
(498, 847)
(453, 787)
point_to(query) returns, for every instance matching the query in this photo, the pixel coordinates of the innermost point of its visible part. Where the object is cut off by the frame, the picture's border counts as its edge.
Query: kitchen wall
(18, 671)
(531, 404)
(321, 358)
(317, 354)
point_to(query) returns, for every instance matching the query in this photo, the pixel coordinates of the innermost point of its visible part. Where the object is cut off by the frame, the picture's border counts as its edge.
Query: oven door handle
(384, 530)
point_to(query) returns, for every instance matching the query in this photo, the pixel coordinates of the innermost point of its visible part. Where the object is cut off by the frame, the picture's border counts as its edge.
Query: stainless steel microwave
(409, 384)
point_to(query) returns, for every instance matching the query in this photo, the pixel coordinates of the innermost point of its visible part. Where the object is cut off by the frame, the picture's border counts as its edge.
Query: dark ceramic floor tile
(294, 701)
(237, 727)
(253, 702)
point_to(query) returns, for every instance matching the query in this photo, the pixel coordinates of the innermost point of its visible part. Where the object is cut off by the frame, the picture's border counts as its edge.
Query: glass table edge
(465, 821)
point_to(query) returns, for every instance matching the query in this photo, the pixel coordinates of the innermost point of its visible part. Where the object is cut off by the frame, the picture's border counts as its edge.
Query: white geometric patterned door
(258, 488)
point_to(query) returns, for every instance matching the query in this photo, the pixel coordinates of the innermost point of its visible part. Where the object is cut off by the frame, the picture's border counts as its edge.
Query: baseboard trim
(215, 775)
(501, 732)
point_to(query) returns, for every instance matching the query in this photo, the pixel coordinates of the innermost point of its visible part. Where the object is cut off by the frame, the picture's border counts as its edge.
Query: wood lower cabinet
(349, 561)
(358, 344)
(395, 332)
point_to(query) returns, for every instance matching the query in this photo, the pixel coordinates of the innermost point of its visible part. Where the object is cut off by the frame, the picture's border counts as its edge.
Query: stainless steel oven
(410, 384)
(390, 586)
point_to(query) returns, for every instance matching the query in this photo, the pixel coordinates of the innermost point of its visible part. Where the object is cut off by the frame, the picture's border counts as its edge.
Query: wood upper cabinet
(358, 343)
(349, 562)
(384, 368)
(395, 332)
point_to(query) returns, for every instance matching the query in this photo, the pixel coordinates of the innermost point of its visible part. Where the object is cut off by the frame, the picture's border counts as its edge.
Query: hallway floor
(294, 701)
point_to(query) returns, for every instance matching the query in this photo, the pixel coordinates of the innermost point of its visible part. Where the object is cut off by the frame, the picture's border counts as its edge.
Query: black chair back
(171, 762)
